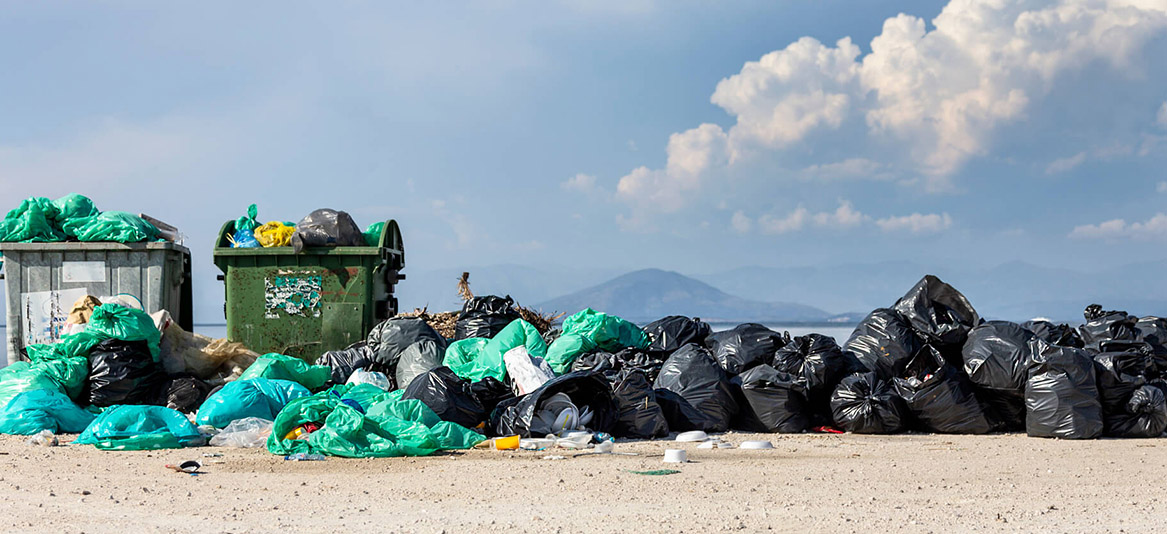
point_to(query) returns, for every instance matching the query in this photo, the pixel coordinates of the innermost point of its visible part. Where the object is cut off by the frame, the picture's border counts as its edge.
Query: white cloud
(843, 217)
(916, 223)
(1162, 187)
(1162, 117)
(740, 222)
(1153, 228)
(581, 183)
(1061, 165)
(934, 94)
(769, 224)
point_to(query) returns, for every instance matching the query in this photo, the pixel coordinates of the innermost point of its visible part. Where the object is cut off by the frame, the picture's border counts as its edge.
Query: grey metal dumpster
(42, 280)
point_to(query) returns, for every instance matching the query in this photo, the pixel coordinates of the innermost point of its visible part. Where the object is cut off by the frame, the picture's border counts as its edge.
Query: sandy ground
(809, 482)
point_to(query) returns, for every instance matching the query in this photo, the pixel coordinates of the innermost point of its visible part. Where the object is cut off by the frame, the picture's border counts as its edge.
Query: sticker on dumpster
(294, 295)
(43, 313)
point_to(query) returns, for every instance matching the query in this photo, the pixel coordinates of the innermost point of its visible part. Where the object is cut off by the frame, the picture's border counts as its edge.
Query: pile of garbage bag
(72, 217)
(321, 228)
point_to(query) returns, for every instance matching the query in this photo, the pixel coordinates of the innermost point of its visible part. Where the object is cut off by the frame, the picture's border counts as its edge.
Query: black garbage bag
(390, 338)
(490, 391)
(940, 314)
(1054, 334)
(774, 401)
(940, 397)
(648, 362)
(1120, 376)
(1061, 395)
(884, 342)
(1110, 325)
(1145, 415)
(585, 389)
(639, 414)
(184, 393)
(997, 357)
(343, 362)
(123, 372)
(744, 346)
(551, 335)
(819, 361)
(1153, 330)
(327, 228)
(675, 331)
(485, 317)
(864, 403)
(597, 360)
(695, 392)
(417, 359)
(448, 395)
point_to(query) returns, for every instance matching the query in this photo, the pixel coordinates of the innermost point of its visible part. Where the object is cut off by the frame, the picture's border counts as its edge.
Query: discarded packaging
(756, 445)
(692, 436)
(675, 456)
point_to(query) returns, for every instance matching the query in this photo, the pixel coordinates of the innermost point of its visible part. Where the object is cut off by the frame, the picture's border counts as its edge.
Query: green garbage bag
(117, 226)
(67, 371)
(20, 377)
(31, 222)
(373, 233)
(282, 367)
(477, 358)
(314, 409)
(248, 223)
(110, 321)
(73, 206)
(138, 428)
(597, 330)
(447, 435)
(365, 394)
(256, 397)
(43, 409)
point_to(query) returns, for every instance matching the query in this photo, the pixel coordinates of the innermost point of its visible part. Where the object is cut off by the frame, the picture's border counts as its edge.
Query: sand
(809, 482)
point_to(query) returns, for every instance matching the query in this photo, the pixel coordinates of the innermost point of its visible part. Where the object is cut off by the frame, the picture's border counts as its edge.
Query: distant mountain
(650, 294)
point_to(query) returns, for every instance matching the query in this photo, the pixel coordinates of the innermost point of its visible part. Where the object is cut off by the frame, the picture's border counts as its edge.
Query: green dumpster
(303, 305)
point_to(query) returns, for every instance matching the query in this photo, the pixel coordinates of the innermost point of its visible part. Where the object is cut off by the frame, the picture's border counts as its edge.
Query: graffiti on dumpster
(294, 295)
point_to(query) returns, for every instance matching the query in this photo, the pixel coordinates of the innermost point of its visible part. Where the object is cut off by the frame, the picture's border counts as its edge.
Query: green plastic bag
(365, 394)
(590, 329)
(256, 397)
(116, 226)
(373, 233)
(67, 371)
(73, 206)
(138, 428)
(478, 358)
(43, 409)
(31, 222)
(314, 409)
(20, 377)
(281, 367)
(248, 223)
(110, 321)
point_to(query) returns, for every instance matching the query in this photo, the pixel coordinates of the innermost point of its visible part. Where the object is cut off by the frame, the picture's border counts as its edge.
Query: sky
(692, 136)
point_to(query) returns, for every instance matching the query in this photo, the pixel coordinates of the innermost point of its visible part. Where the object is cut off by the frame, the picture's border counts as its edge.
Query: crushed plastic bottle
(305, 457)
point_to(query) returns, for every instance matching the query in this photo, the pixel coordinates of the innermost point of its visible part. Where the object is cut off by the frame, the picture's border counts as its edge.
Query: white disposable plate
(693, 435)
(755, 445)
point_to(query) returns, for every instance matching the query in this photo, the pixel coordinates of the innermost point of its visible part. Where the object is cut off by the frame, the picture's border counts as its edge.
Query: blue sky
(692, 136)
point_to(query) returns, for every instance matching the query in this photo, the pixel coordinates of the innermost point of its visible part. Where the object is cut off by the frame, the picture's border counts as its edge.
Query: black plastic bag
(940, 314)
(1110, 325)
(819, 361)
(390, 338)
(1061, 395)
(344, 362)
(884, 342)
(675, 331)
(745, 346)
(184, 393)
(597, 360)
(327, 228)
(448, 395)
(123, 372)
(648, 362)
(551, 335)
(695, 392)
(997, 357)
(1120, 377)
(1054, 334)
(639, 414)
(774, 401)
(490, 391)
(1153, 330)
(417, 359)
(485, 316)
(585, 389)
(940, 397)
(864, 403)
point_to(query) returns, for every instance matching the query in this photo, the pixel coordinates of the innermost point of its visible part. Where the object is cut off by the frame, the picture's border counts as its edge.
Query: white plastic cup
(675, 456)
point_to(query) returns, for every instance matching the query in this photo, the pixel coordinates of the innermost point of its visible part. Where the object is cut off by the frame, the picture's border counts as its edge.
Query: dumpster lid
(62, 246)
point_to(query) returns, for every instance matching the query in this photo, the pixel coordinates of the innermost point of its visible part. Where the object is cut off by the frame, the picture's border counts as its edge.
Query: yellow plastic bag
(274, 234)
